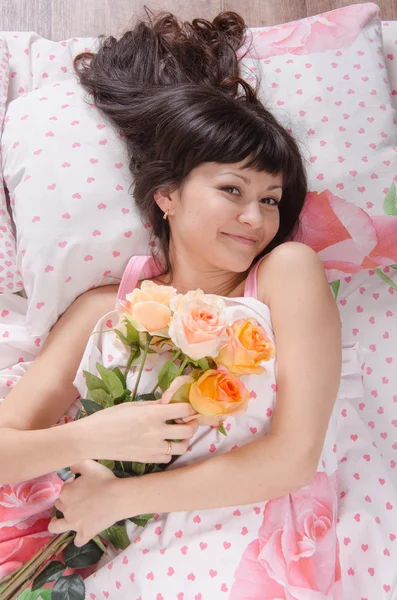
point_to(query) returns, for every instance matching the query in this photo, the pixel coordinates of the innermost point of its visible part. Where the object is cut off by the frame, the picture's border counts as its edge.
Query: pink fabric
(132, 274)
(251, 285)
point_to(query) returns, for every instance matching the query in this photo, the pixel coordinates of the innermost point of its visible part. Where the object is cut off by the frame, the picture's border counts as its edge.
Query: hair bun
(232, 26)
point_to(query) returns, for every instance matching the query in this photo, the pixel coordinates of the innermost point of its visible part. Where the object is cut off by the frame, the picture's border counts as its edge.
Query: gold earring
(165, 216)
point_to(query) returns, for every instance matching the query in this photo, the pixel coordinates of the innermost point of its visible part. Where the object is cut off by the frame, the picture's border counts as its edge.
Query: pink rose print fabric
(330, 31)
(25, 511)
(345, 236)
(297, 550)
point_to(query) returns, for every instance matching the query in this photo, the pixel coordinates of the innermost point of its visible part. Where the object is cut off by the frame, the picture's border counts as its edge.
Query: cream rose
(198, 325)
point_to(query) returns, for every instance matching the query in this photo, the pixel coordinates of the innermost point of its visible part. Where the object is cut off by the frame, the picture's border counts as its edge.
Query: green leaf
(87, 555)
(393, 266)
(132, 333)
(99, 543)
(102, 398)
(390, 201)
(52, 572)
(203, 364)
(93, 382)
(90, 406)
(121, 376)
(109, 464)
(121, 336)
(335, 285)
(146, 397)
(117, 535)
(167, 374)
(28, 594)
(125, 397)
(70, 587)
(65, 474)
(141, 520)
(138, 468)
(46, 594)
(182, 394)
(113, 383)
(222, 429)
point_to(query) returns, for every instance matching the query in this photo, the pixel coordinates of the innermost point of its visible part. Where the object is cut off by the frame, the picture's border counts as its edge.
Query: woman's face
(223, 216)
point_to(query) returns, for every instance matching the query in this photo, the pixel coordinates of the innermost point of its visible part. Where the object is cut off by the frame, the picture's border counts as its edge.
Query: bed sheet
(368, 309)
(367, 432)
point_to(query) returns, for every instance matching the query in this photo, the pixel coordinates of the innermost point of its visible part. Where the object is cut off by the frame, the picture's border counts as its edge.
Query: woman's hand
(89, 503)
(137, 431)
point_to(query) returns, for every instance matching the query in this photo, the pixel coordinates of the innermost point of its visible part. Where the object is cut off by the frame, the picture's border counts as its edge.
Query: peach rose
(198, 325)
(248, 346)
(218, 393)
(296, 554)
(148, 308)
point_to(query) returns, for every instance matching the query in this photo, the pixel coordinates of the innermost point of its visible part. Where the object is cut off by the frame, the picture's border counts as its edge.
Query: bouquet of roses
(203, 356)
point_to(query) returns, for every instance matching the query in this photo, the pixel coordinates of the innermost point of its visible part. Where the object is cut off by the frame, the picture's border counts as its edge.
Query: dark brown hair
(174, 91)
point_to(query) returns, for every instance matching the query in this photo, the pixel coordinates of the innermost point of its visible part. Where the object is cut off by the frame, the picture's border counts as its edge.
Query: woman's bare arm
(27, 446)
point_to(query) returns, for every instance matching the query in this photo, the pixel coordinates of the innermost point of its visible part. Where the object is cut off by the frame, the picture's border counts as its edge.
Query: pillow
(66, 242)
(324, 77)
(389, 33)
(9, 277)
(67, 172)
(36, 62)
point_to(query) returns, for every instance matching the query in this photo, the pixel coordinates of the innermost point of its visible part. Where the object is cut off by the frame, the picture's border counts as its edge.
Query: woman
(222, 184)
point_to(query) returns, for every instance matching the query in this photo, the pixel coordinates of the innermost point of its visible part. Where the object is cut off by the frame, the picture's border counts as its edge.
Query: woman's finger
(58, 526)
(80, 540)
(180, 432)
(59, 505)
(85, 467)
(177, 410)
(177, 448)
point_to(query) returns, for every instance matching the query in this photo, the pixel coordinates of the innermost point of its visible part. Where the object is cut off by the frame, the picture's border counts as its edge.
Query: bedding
(10, 279)
(366, 299)
(351, 167)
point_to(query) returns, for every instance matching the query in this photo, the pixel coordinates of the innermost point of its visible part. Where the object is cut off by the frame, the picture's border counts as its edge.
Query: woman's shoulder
(285, 265)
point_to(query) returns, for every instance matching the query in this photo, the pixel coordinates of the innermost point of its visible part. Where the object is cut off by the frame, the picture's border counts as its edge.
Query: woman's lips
(241, 240)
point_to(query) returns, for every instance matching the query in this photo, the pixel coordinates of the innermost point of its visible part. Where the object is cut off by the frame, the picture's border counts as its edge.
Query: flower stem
(145, 353)
(32, 568)
(183, 365)
(382, 275)
(130, 361)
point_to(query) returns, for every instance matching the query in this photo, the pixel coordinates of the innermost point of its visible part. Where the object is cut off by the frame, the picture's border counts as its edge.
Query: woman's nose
(251, 215)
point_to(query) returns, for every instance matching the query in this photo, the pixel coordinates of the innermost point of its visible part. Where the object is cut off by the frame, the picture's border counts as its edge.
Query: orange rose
(218, 392)
(248, 346)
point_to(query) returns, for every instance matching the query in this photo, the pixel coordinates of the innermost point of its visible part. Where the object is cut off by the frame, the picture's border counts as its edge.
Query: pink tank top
(144, 267)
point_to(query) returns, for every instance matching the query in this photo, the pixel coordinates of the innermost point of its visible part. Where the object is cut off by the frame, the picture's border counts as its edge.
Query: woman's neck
(212, 281)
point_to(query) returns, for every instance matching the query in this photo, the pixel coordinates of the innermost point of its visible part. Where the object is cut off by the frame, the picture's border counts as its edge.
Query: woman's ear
(162, 199)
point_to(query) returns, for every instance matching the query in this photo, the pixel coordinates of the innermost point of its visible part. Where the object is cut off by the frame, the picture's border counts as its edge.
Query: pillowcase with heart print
(10, 279)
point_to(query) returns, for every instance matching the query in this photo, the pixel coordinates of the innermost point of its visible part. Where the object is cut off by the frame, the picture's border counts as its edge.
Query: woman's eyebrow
(248, 181)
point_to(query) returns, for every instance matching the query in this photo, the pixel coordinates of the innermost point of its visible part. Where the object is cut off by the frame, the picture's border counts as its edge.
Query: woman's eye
(230, 187)
(271, 201)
